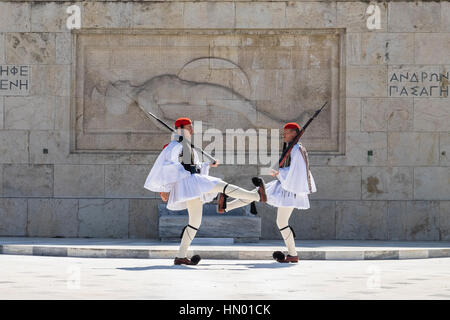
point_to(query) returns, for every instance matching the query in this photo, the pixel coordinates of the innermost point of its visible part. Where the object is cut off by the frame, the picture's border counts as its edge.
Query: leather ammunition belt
(191, 168)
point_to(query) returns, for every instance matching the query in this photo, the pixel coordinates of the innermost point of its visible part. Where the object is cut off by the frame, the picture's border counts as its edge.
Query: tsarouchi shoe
(193, 261)
(222, 202)
(280, 257)
(259, 182)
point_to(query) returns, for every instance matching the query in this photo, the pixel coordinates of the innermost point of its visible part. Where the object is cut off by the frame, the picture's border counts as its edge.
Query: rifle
(180, 138)
(291, 144)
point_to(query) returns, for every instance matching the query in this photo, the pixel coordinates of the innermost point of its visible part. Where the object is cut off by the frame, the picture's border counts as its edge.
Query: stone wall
(49, 187)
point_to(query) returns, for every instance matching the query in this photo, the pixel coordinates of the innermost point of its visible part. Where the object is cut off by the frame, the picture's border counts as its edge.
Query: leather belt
(192, 168)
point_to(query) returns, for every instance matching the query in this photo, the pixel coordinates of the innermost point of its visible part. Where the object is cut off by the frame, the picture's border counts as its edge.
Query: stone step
(146, 249)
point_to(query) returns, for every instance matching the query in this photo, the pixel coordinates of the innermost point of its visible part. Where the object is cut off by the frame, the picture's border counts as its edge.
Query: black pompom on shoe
(279, 256)
(195, 259)
(257, 181)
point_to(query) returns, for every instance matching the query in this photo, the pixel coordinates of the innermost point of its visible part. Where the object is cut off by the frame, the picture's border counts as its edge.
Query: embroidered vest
(180, 157)
(191, 167)
(287, 162)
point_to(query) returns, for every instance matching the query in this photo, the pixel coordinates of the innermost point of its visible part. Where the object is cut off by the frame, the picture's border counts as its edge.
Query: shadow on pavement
(272, 265)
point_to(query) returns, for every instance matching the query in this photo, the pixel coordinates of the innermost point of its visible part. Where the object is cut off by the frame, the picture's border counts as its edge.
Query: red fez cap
(182, 122)
(291, 125)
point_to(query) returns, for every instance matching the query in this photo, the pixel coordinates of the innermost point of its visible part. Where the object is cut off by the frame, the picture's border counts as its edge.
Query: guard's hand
(274, 173)
(164, 196)
(214, 165)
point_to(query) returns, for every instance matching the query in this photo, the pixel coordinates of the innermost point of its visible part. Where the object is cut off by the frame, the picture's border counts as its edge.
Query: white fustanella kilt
(278, 197)
(194, 186)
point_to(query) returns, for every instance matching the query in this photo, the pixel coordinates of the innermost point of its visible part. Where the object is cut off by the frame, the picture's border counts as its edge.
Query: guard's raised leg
(229, 190)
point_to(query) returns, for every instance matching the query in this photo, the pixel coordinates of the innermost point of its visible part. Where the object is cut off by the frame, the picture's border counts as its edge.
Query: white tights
(236, 192)
(283, 215)
(243, 197)
(195, 207)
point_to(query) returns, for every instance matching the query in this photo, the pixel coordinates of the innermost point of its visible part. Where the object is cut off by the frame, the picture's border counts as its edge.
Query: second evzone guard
(184, 182)
(295, 182)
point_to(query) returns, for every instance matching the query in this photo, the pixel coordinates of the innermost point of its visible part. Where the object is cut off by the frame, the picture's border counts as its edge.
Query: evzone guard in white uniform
(184, 182)
(290, 190)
